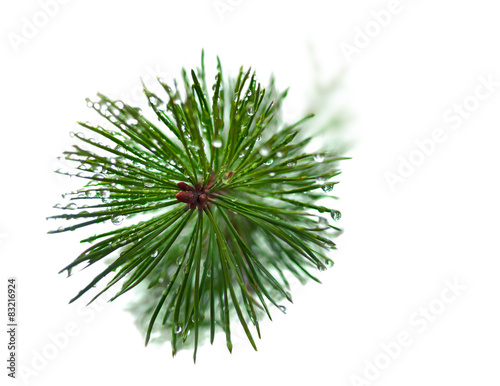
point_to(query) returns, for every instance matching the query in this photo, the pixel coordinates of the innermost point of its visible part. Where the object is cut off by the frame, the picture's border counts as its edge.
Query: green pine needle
(224, 198)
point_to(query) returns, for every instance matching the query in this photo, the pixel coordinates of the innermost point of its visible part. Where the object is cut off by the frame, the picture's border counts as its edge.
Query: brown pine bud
(187, 197)
(185, 187)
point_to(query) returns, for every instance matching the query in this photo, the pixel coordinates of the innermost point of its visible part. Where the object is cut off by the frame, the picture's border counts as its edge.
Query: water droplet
(131, 121)
(153, 100)
(57, 206)
(336, 215)
(227, 176)
(264, 151)
(269, 162)
(90, 104)
(91, 193)
(250, 112)
(149, 184)
(280, 154)
(71, 205)
(323, 222)
(178, 329)
(272, 174)
(155, 253)
(97, 106)
(282, 309)
(259, 138)
(217, 142)
(327, 188)
(98, 176)
(179, 260)
(119, 104)
(291, 164)
(105, 193)
(117, 220)
(329, 244)
(319, 157)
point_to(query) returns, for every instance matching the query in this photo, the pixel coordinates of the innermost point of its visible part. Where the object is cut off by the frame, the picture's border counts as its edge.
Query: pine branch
(231, 198)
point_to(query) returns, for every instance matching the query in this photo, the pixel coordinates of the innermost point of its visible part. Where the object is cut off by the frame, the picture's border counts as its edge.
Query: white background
(400, 247)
